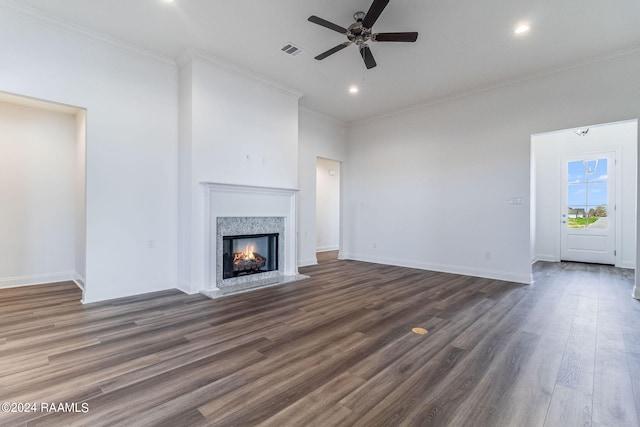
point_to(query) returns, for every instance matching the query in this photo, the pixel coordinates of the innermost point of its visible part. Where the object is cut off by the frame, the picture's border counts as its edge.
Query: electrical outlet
(375, 245)
(151, 244)
(487, 255)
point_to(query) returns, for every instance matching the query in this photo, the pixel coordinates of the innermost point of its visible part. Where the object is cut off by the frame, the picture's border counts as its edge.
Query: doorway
(42, 192)
(328, 189)
(583, 193)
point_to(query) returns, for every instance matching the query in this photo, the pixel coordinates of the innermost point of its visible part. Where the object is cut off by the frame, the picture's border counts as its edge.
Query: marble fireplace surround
(232, 209)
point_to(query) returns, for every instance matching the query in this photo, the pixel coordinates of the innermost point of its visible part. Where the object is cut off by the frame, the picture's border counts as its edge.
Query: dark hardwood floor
(336, 349)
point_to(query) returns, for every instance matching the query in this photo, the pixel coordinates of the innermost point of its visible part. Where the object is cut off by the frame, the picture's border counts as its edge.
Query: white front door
(588, 208)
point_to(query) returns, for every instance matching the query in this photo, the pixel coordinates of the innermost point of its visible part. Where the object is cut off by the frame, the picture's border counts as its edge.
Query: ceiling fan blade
(368, 57)
(327, 24)
(374, 12)
(332, 50)
(395, 37)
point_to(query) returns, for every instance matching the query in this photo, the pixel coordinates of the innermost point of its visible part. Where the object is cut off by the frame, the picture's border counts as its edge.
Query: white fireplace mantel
(233, 200)
(251, 189)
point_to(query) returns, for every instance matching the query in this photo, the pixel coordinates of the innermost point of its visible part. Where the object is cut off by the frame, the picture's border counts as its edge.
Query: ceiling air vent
(291, 49)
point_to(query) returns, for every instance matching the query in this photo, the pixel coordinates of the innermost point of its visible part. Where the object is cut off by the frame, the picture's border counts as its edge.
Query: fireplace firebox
(249, 254)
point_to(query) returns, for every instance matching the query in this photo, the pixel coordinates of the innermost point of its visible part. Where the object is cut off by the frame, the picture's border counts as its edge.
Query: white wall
(131, 103)
(548, 150)
(428, 187)
(235, 129)
(245, 131)
(185, 190)
(327, 205)
(37, 195)
(319, 136)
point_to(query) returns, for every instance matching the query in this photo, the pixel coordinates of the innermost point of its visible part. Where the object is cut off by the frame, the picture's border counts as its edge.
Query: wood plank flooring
(336, 349)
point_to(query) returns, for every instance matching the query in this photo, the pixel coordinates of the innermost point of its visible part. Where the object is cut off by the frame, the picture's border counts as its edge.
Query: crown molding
(79, 31)
(190, 54)
(323, 116)
(590, 62)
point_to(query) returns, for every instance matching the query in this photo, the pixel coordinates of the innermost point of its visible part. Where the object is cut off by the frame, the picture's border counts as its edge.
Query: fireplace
(249, 254)
(239, 212)
(249, 251)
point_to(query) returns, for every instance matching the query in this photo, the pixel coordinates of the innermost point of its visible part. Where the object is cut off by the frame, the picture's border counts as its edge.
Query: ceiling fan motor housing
(357, 33)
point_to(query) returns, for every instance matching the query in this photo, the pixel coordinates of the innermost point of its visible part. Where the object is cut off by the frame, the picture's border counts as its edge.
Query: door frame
(340, 168)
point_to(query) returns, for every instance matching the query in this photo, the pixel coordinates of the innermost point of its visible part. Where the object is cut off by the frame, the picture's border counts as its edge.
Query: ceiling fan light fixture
(522, 28)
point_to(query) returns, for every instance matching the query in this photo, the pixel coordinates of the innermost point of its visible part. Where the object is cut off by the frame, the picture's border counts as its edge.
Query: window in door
(587, 194)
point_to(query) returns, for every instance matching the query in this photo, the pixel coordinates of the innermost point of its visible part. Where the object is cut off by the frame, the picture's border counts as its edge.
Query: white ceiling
(463, 44)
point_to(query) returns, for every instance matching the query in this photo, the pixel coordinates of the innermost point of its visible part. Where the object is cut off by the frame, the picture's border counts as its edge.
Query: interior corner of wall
(79, 280)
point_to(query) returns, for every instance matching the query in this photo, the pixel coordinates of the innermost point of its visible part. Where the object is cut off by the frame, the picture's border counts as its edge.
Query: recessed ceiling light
(353, 89)
(522, 28)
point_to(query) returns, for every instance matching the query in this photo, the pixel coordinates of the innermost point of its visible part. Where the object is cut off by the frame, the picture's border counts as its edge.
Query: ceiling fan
(360, 33)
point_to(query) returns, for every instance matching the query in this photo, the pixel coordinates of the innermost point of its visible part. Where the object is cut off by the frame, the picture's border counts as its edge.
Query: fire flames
(247, 261)
(242, 256)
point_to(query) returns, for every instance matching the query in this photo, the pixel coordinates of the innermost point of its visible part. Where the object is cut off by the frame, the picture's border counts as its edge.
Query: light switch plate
(514, 200)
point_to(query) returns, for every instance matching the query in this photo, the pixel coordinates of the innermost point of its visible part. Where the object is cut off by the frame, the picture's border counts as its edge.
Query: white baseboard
(327, 248)
(547, 258)
(307, 262)
(636, 293)
(507, 276)
(79, 280)
(93, 294)
(37, 279)
(625, 264)
(555, 258)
